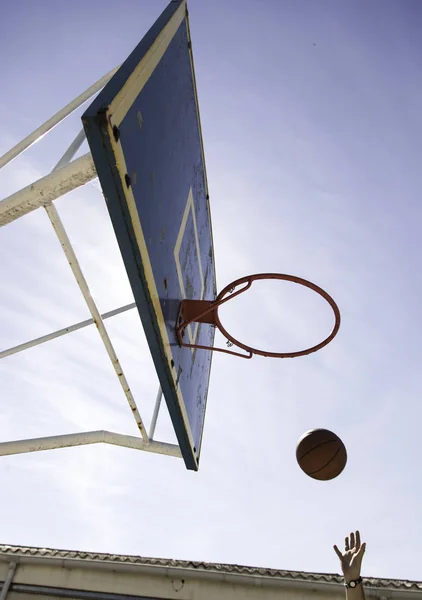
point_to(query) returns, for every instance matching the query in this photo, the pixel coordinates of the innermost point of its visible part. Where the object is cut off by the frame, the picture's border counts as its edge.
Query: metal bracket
(201, 311)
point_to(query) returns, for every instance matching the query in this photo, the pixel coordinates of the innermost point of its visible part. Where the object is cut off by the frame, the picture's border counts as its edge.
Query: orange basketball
(321, 454)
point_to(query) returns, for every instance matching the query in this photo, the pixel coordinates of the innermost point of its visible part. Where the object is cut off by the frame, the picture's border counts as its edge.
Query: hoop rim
(249, 279)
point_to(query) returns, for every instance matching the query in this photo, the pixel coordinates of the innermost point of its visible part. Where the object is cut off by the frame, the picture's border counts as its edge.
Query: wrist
(351, 582)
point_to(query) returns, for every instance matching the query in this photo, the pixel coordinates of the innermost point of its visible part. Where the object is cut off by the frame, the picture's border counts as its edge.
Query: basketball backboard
(144, 134)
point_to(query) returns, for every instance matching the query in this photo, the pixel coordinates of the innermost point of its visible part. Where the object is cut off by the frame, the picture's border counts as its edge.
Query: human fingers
(357, 543)
(346, 544)
(361, 550)
(337, 551)
(359, 556)
(352, 540)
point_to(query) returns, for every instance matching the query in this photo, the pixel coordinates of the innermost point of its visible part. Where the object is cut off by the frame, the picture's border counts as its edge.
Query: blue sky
(312, 131)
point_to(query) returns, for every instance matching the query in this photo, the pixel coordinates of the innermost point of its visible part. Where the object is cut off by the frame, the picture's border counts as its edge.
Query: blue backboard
(144, 133)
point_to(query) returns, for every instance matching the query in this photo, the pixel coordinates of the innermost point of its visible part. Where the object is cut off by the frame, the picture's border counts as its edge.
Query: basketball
(321, 454)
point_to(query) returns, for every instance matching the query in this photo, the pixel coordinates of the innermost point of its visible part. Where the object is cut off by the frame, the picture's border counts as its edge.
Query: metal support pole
(155, 413)
(84, 439)
(47, 189)
(77, 271)
(65, 177)
(60, 332)
(58, 226)
(6, 585)
(55, 119)
(72, 150)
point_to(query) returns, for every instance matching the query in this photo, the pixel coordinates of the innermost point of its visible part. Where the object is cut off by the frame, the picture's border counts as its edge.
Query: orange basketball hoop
(206, 311)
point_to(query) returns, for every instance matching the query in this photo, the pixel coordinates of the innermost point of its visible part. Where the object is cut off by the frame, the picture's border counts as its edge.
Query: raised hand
(351, 558)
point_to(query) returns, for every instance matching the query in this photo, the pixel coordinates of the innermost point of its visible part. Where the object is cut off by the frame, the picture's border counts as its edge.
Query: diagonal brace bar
(64, 331)
(83, 286)
(72, 150)
(55, 119)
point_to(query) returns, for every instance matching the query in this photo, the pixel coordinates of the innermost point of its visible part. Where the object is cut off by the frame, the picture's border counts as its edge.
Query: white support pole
(47, 189)
(86, 438)
(72, 150)
(79, 276)
(64, 331)
(55, 119)
(154, 417)
(65, 177)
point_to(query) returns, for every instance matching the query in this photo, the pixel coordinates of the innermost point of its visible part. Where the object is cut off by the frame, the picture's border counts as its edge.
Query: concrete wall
(134, 582)
(97, 577)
